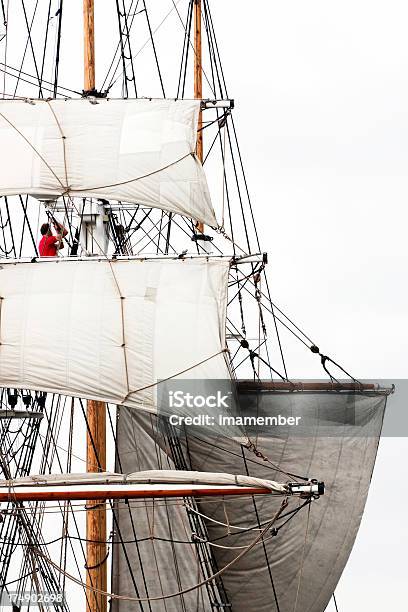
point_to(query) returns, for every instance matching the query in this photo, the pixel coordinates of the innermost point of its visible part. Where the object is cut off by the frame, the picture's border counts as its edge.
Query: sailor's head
(45, 229)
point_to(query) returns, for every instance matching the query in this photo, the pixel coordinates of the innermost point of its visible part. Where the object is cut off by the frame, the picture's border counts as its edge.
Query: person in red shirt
(50, 244)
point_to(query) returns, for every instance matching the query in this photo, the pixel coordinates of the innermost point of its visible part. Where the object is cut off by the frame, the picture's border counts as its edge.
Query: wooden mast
(198, 82)
(89, 46)
(96, 575)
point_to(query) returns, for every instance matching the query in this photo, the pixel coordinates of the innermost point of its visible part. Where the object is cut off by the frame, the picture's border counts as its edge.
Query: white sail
(110, 330)
(138, 151)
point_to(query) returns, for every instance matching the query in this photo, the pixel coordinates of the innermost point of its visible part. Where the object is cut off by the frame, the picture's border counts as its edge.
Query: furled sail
(139, 151)
(298, 569)
(138, 485)
(110, 330)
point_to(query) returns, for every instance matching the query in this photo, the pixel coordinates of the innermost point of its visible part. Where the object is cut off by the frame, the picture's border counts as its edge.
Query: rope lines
(185, 590)
(302, 559)
(22, 458)
(124, 50)
(215, 590)
(268, 565)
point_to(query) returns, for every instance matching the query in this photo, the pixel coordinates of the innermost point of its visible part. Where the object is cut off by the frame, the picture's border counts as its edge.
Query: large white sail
(110, 330)
(138, 151)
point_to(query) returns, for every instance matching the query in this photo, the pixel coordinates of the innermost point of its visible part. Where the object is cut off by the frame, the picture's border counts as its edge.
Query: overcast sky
(321, 93)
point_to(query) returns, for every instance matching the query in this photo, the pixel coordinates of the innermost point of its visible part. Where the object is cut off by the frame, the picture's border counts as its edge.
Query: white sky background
(321, 92)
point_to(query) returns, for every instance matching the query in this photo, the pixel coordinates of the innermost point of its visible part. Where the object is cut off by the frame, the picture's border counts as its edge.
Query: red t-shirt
(48, 246)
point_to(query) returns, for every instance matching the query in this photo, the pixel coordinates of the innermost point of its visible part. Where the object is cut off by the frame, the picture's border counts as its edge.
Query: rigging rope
(148, 41)
(183, 591)
(133, 180)
(268, 565)
(302, 561)
(162, 380)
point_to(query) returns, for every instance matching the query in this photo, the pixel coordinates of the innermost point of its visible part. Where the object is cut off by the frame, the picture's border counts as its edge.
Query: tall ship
(156, 454)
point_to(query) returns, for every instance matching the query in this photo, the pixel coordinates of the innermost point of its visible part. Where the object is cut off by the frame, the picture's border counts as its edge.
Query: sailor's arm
(62, 231)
